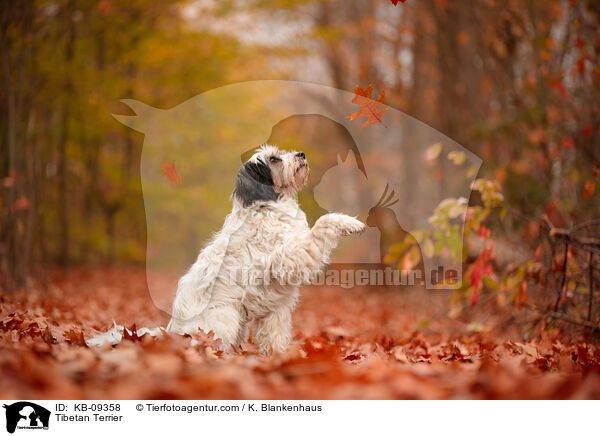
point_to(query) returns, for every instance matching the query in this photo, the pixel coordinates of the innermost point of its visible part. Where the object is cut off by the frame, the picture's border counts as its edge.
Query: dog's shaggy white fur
(252, 269)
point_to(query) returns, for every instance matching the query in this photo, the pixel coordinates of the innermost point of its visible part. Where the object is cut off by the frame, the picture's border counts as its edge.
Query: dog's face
(270, 173)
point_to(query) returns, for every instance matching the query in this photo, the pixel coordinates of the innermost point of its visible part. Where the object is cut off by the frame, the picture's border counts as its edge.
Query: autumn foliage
(369, 108)
(360, 343)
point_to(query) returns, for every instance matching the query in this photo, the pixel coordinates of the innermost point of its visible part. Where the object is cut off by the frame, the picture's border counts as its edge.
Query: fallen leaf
(74, 337)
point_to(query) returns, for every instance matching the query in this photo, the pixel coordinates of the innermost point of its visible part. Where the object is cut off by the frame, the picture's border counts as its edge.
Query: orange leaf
(171, 173)
(75, 338)
(368, 107)
(521, 295)
(538, 253)
(589, 188)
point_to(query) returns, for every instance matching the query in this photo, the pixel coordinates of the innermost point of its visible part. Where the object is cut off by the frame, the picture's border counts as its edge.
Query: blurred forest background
(517, 82)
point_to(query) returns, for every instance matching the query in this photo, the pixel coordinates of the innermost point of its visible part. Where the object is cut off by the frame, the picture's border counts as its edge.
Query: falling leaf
(368, 107)
(171, 173)
(433, 151)
(589, 188)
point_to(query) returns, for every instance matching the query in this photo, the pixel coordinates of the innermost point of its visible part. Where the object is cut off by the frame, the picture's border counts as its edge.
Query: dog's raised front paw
(351, 226)
(342, 224)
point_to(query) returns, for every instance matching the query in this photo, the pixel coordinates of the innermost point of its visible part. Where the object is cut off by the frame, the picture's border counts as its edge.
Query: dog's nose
(301, 155)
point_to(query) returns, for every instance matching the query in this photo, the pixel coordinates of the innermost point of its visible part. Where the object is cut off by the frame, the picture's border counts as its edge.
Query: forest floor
(348, 344)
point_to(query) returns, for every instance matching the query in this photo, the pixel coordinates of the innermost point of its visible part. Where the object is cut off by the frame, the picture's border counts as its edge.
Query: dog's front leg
(225, 322)
(333, 225)
(299, 260)
(273, 332)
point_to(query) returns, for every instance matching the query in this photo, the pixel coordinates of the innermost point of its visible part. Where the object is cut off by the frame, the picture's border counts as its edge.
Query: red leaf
(368, 107)
(171, 173)
(474, 297)
(587, 131)
(589, 188)
(32, 330)
(75, 338)
(568, 142)
(395, 2)
(481, 268)
(104, 7)
(596, 170)
(538, 253)
(21, 203)
(559, 86)
(11, 324)
(133, 336)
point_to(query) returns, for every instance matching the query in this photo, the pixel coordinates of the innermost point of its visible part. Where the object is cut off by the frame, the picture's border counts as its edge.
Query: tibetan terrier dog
(252, 269)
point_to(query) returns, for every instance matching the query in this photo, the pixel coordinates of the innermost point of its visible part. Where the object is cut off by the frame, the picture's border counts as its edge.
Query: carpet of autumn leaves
(348, 344)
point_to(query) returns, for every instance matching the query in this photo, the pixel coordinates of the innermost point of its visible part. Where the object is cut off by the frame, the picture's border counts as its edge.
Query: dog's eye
(274, 159)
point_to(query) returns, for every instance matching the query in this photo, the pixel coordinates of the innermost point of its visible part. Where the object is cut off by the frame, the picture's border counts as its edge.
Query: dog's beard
(301, 174)
(292, 178)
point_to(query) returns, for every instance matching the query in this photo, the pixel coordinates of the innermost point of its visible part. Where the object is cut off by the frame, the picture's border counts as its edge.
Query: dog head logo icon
(26, 415)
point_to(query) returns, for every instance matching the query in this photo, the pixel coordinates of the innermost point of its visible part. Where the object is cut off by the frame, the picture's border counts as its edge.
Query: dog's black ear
(253, 182)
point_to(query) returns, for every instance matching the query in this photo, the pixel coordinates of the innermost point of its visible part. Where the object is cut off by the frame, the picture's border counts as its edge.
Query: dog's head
(269, 174)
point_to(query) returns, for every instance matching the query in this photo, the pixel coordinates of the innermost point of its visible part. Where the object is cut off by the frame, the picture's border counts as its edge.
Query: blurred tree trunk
(16, 240)
(63, 206)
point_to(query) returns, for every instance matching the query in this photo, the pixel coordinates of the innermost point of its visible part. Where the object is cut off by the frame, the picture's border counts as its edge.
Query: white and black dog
(252, 269)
